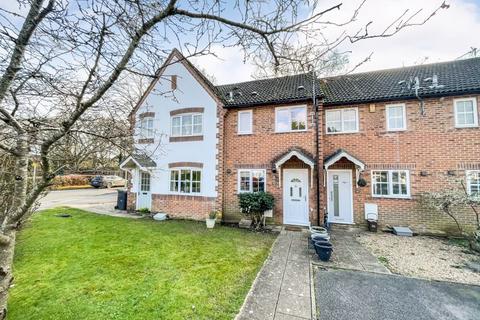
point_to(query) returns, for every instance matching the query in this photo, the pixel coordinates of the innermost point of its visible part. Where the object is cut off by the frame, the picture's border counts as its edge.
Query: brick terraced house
(326, 148)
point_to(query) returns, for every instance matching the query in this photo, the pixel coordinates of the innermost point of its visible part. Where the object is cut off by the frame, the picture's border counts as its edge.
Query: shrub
(447, 201)
(71, 180)
(213, 214)
(254, 204)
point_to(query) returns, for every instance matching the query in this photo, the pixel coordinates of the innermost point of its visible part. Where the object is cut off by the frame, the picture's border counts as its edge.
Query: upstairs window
(466, 114)
(289, 119)
(391, 184)
(146, 127)
(473, 182)
(251, 180)
(185, 181)
(245, 122)
(187, 125)
(342, 121)
(396, 117)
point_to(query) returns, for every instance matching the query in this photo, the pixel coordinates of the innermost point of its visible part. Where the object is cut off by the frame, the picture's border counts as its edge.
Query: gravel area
(424, 257)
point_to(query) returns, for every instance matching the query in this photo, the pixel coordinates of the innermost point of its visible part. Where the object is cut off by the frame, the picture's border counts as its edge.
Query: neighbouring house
(326, 148)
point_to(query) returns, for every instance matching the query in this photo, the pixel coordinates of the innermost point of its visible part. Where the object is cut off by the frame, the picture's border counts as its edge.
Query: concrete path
(348, 253)
(282, 289)
(101, 201)
(347, 294)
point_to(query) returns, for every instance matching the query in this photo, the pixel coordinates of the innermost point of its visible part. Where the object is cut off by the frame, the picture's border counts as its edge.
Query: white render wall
(189, 94)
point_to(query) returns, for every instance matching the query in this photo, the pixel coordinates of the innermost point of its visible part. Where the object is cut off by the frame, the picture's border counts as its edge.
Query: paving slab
(282, 290)
(294, 305)
(348, 253)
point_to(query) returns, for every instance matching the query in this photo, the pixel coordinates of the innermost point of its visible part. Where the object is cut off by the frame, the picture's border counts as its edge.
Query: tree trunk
(7, 231)
(21, 172)
(7, 247)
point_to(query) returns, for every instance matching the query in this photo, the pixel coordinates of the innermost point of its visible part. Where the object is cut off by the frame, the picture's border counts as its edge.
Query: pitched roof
(274, 90)
(454, 77)
(180, 58)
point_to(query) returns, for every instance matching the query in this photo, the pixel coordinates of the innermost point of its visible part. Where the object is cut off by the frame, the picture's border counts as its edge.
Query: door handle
(331, 195)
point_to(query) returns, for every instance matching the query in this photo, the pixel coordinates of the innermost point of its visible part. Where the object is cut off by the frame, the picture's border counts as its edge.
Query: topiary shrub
(254, 204)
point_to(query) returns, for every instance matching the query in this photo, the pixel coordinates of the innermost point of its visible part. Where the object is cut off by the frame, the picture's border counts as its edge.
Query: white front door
(340, 201)
(144, 197)
(295, 197)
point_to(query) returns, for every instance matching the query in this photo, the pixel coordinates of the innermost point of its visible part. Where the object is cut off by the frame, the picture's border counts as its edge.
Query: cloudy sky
(447, 36)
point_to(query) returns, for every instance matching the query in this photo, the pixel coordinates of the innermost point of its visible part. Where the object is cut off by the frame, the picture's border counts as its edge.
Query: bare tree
(65, 63)
(321, 47)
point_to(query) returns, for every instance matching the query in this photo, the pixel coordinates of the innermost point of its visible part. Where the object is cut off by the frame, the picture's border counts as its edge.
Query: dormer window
(186, 125)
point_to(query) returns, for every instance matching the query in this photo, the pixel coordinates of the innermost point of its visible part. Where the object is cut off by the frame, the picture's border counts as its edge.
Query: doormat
(293, 228)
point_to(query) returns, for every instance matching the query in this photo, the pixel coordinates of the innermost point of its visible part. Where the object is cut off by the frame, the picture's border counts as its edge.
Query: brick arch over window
(185, 165)
(187, 110)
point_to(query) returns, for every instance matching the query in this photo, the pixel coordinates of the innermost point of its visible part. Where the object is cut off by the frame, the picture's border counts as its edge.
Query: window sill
(392, 197)
(395, 130)
(186, 138)
(346, 132)
(292, 131)
(467, 127)
(145, 141)
(245, 133)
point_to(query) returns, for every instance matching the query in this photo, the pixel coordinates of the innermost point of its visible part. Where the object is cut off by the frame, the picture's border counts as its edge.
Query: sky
(447, 36)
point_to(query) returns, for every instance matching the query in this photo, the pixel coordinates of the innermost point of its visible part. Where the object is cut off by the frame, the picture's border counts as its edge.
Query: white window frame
(387, 116)
(390, 185)
(147, 125)
(475, 113)
(250, 171)
(251, 122)
(341, 120)
(193, 114)
(469, 182)
(290, 118)
(179, 169)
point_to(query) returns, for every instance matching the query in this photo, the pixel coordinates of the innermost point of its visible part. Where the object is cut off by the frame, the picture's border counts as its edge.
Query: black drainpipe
(317, 144)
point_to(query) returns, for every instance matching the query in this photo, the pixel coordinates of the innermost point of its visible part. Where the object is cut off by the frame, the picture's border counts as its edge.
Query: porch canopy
(140, 161)
(301, 155)
(339, 154)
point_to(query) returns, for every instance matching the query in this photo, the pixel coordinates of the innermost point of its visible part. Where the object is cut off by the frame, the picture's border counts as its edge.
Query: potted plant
(212, 217)
(323, 249)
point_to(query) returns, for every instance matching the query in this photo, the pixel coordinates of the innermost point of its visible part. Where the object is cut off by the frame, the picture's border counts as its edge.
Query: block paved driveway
(347, 294)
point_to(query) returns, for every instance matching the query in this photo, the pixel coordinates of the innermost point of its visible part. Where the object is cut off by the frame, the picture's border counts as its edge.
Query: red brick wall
(431, 143)
(183, 207)
(258, 151)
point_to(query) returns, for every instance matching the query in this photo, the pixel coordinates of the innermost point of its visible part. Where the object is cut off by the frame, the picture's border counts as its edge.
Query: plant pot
(321, 230)
(320, 241)
(324, 251)
(210, 223)
(320, 236)
(372, 225)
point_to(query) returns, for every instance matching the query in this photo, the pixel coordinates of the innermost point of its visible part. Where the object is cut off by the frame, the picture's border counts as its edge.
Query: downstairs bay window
(391, 183)
(185, 180)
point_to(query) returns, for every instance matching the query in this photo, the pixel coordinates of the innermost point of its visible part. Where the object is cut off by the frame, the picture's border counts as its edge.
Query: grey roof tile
(454, 77)
(274, 90)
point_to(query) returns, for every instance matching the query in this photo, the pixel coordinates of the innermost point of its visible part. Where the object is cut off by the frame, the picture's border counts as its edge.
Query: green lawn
(98, 267)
